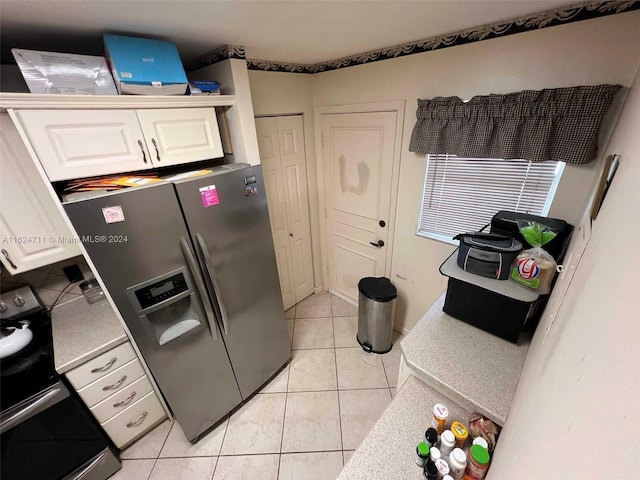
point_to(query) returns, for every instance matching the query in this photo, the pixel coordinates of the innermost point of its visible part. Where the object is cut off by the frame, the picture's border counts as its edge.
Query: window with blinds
(462, 194)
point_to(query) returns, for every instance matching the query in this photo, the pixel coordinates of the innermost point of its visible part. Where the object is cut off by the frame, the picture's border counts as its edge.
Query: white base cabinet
(32, 229)
(118, 394)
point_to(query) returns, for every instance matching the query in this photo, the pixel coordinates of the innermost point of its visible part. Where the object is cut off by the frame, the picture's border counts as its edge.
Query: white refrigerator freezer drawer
(117, 402)
(134, 420)
(109, 384)
(101, 365)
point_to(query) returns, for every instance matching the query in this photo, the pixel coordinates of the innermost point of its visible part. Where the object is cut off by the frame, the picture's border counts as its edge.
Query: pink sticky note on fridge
(209, 196)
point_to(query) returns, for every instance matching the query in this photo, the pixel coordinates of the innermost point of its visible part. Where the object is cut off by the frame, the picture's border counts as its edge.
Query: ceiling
(302, 31)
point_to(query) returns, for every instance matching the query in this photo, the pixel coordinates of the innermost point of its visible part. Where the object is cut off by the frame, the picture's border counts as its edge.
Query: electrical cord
(58, 297)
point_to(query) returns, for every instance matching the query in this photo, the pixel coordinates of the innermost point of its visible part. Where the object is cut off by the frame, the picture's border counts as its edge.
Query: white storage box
(64, 73)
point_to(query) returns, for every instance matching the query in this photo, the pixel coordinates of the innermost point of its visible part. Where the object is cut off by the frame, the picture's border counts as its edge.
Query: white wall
(277, 93)
(578, 394)
(604, 50)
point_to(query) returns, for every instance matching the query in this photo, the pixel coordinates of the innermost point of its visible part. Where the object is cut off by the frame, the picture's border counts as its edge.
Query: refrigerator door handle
(193, 268)
(214, 280)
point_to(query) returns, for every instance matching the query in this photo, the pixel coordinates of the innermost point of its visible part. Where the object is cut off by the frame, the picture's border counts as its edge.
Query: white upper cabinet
(86, 143)
(181, 135)
(30, 223)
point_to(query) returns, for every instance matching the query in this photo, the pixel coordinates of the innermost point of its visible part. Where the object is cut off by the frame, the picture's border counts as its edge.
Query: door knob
(382, 223)
(379, 244)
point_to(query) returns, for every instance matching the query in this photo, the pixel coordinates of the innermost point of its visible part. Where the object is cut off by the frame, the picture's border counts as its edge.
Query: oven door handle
(32, 407)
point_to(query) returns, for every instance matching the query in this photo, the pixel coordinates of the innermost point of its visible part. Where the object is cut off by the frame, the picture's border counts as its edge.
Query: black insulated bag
(487, 254)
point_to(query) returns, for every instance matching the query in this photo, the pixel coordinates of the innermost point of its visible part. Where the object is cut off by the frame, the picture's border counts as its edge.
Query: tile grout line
(224, 435)
(335, 356)
(155, 461)
(286, 393)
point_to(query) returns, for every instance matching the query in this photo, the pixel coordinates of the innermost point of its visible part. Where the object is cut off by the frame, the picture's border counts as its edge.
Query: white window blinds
(462, 194)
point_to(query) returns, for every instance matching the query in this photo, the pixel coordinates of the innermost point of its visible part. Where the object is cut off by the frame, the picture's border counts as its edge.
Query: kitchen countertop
(389, 450)
(473, 368)
(82, 332)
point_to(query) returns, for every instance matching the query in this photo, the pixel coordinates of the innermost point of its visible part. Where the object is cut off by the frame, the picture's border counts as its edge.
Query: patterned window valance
(560, 124)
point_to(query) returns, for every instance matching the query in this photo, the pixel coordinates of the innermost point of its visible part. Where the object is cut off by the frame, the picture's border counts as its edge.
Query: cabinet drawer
(134, 420)
(111, 383)
(101, 366)
(120, 400)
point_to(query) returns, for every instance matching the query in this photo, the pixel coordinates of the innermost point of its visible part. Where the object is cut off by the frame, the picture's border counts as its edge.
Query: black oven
(45, 431)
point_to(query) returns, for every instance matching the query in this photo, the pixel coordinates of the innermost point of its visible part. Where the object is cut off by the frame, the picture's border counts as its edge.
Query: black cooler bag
(487, 254)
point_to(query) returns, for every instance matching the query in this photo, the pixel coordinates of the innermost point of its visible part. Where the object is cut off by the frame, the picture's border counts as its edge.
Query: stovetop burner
(26, 347)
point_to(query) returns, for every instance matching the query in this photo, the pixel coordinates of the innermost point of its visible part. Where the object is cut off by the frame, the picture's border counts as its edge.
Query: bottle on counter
(457, 463)
(477, 462)
(460, 432)
(431, 436)
(435, 454)
(430, 471)
(443, 467)
(447, 442)
(440, 414)
(422, 454)
(482, 442)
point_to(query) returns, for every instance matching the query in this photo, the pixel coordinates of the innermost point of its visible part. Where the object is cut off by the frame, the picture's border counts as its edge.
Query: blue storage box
(141, 66)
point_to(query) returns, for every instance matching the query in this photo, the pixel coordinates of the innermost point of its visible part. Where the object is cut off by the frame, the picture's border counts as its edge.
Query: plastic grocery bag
(535, 267)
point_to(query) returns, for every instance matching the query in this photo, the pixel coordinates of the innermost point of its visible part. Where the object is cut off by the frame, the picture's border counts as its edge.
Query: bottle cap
(481, 441)
(479, 454)
(442, 466)
(435, 453)
(430, 470)
(431, 436)
(448, 436)
(459, 455)
(447, 477)
(423, 449)
(460, 431)
(440, 411)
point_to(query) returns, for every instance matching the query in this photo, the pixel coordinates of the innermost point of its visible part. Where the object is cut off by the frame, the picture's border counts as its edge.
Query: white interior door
(358, 156)
(281, 144)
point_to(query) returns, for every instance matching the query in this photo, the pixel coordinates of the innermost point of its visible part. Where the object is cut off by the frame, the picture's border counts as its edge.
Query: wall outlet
(73, 273)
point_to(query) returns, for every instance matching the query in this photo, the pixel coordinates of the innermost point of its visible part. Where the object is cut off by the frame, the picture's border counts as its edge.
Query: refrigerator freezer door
(228, 219)
(144, 243)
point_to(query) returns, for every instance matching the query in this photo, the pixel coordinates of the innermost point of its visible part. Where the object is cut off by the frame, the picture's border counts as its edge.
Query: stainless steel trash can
(376, 306)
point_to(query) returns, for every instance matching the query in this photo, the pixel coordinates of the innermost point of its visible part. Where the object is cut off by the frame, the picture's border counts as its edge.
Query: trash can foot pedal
(367, 347)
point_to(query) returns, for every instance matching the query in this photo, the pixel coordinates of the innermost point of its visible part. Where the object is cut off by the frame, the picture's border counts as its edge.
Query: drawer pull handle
(126, 401)
(153, 140)
(116, 385)
(144, 157)
(137, 422)
(105, 367)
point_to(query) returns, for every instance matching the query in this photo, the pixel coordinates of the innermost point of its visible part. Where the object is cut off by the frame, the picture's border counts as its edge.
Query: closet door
(281, 144)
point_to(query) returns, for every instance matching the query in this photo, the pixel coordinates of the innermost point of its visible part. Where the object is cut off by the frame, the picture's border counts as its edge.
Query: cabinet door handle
(153, 140)
(6, 255)
(137, 422)
(116, 385)
(144, 156)
(105, 367)
(126, 401)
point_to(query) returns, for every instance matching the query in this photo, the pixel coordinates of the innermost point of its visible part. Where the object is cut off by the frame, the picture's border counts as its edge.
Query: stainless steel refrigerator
(191, 266)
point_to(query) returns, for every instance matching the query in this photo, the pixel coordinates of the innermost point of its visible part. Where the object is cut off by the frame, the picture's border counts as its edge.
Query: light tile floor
(304, 425)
